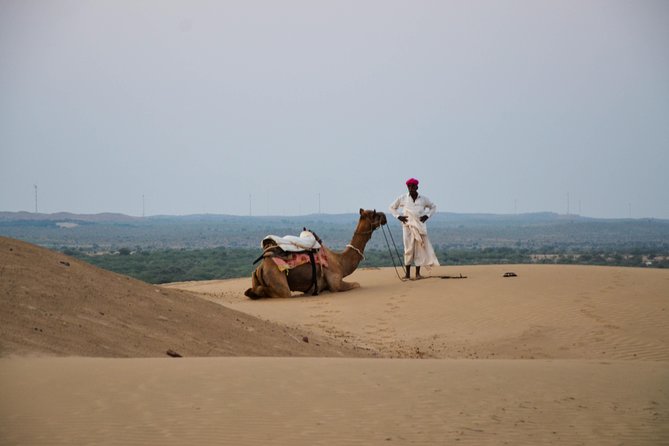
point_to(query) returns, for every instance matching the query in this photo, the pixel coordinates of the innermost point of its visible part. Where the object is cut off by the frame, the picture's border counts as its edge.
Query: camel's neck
(351, 258)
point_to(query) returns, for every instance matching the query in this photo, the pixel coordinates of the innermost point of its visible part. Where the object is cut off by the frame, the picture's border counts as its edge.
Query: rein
(390, 251)
(399, 258)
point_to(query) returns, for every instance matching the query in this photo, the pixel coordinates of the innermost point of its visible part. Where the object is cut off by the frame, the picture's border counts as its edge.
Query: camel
(268, 281)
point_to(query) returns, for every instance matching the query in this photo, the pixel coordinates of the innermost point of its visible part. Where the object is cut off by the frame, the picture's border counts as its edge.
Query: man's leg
(418, 276)
(407, 240)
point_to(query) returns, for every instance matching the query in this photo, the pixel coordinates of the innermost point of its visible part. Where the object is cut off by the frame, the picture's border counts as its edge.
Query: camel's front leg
(345, 286)
(336, 283)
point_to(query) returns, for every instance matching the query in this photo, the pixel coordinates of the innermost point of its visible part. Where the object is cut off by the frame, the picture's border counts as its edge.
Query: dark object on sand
(453, 277)
(173, 354)
(510, 275)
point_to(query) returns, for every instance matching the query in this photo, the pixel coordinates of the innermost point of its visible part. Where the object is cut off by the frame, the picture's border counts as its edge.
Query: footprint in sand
(392, 307)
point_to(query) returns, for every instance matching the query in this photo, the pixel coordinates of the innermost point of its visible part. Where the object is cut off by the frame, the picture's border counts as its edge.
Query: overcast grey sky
(231, 107)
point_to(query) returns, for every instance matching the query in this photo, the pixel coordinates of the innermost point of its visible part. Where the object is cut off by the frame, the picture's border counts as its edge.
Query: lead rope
(399, 259)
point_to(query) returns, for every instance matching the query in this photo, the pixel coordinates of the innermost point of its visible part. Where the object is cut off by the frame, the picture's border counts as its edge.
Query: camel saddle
(289, 252)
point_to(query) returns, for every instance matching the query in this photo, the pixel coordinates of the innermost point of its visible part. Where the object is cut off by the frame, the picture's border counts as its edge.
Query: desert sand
(557, 355)
(546, 312)
(332, 401)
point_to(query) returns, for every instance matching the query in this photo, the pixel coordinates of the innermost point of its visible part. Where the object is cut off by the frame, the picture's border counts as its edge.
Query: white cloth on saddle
(304, 242)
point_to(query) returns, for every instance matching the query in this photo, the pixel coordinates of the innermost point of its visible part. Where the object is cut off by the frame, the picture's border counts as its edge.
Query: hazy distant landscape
(538, 231)
(199, 247)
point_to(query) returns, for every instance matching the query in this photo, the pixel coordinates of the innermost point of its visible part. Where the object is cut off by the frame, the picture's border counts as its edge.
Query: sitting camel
(268, 281)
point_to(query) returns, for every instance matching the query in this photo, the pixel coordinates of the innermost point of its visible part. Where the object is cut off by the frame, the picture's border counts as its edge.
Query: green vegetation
(202, 247)
(174, 265)
(535, 232)
(506, 255)
(177, 265)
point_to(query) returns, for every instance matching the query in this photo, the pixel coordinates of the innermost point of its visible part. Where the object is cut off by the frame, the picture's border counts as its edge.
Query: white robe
(417, 247)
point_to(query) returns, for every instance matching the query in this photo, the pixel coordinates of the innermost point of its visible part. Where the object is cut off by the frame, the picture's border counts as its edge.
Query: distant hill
(450, 217)
(67, 217)
(53, 304)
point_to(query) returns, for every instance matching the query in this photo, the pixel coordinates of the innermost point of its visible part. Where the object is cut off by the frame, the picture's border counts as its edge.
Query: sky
(297, 107)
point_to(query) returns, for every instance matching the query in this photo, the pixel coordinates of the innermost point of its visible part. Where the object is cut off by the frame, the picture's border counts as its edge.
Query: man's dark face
(413, 188)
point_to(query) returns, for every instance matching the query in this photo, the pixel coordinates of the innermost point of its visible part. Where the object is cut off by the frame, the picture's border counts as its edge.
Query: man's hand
(402, 218)
(424, 218)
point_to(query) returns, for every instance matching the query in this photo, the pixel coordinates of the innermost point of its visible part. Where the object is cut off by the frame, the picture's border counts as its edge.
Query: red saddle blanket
(293, 260)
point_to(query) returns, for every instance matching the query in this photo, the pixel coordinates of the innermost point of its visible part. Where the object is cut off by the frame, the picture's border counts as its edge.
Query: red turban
(412, 181)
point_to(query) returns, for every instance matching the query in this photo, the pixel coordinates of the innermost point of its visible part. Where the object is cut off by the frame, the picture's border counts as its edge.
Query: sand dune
(557, 355)
(53, 304)
(547, 311)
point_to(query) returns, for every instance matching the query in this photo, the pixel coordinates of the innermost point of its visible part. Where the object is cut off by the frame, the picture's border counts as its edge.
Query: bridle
(373, 228)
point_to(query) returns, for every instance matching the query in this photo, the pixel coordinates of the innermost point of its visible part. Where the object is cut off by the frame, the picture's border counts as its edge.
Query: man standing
(416, 209)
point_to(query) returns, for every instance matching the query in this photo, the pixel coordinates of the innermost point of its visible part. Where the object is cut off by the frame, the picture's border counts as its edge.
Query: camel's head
(374, 218)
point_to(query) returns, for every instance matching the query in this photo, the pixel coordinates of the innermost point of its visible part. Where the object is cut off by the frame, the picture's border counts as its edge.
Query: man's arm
(394, 206)
(431, 208)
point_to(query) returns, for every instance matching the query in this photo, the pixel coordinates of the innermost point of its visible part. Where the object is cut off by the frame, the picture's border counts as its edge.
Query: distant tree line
(535, 232)
(174, 265)
(178, 265)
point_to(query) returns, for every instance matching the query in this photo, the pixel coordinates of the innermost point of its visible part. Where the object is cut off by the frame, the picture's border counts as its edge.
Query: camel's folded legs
(336, 283)
(270, 274)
